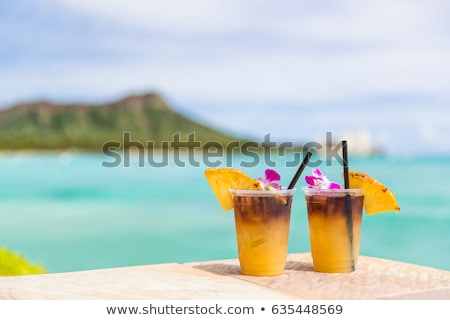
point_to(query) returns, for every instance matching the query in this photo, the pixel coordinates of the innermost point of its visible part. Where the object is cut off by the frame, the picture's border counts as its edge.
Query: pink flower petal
(275, 185)
(313, 180)
(272, 175)
(317, 173)
(310, 180)
(334, 185)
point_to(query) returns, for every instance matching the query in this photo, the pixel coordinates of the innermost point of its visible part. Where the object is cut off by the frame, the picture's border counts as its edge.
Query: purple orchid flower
(319, 180)
(269, 181)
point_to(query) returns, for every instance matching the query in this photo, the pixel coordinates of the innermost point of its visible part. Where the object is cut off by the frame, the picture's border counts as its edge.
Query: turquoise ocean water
(68, 212)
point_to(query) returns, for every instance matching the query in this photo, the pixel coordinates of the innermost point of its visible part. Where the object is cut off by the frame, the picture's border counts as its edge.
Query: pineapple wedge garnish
(221, 180)
(377, 197)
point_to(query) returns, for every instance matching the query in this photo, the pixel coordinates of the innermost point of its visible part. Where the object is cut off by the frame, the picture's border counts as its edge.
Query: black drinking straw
(348, 207)
(300, 170)
(345, 157)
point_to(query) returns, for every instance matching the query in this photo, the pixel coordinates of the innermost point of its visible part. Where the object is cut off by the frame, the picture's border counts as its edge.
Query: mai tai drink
(262, 230)
(334, 218)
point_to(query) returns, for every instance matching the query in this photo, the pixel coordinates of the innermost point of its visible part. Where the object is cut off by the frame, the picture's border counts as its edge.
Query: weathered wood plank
(165, 281)
(374, 279)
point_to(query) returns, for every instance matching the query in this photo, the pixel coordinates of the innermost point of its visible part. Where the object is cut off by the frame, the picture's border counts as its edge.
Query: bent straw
(300, 170)
(348, 208)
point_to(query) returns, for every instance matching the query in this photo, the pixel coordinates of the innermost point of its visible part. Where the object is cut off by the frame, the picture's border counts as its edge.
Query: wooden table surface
(374, 279)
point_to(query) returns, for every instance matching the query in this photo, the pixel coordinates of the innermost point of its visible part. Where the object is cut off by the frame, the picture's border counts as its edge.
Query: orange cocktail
(335, 215)
(334, 228)
(262, 230)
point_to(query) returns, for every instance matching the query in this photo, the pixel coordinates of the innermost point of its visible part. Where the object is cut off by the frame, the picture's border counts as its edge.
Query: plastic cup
(334, 233)
(262, 230)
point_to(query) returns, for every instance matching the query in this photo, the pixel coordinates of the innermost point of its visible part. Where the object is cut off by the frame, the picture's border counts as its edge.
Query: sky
(294, 69)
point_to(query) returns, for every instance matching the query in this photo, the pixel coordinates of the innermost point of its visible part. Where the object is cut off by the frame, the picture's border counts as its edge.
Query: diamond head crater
(42, 125)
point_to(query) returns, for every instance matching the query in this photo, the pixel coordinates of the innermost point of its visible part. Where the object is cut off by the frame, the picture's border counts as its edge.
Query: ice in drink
(262, 230)
(334, 230)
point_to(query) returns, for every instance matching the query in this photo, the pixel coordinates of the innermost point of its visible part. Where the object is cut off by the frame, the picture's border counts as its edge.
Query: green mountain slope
(43, 125)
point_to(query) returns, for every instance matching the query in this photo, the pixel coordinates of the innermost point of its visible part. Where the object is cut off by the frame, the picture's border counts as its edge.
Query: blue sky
(294, 69)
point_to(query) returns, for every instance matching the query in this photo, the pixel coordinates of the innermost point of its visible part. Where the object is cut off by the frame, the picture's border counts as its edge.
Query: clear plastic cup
(262, 230)
(334, 232)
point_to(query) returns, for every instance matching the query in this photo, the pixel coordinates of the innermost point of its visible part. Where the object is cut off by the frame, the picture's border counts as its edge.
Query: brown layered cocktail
(334, 218)
(262, 210)
(262, 230)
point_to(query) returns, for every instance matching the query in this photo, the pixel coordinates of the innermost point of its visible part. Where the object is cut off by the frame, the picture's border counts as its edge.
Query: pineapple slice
(377, 198)
(221, 180)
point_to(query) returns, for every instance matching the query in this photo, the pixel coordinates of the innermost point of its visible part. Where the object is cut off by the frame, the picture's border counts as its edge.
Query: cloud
(275, 63)
(249, 51)
(180, 17)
